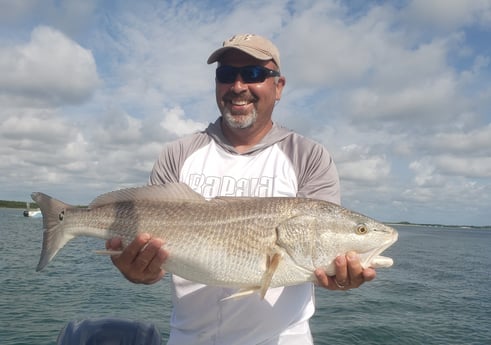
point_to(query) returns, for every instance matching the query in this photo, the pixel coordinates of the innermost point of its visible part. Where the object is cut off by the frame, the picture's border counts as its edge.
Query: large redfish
(247, 243)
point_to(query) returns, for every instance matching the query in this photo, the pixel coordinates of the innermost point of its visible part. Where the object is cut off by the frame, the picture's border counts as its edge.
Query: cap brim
(215, 56)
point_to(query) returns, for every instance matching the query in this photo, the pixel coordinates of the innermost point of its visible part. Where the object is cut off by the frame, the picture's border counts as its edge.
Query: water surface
(438, 291)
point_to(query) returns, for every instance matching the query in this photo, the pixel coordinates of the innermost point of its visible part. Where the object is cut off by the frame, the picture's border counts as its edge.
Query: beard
(239, 121)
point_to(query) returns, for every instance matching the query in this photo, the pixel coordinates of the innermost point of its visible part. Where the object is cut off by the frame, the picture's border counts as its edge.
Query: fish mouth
(373, 258)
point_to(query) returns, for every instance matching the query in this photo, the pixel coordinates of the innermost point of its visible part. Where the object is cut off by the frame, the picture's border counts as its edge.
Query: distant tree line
(22, 204)
(16, 204)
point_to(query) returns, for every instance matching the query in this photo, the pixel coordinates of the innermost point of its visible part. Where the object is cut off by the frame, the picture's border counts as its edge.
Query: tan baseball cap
(253, 45)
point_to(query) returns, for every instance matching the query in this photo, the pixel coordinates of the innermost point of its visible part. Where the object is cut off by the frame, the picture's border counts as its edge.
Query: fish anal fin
(242, 293)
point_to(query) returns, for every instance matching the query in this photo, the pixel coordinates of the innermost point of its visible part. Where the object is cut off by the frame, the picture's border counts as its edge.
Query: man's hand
(141, 261)
(349, 274)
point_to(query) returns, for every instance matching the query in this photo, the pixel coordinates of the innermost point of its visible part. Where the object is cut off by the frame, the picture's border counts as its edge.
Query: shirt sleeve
(316, 172)
(167, 168)
(320, 179)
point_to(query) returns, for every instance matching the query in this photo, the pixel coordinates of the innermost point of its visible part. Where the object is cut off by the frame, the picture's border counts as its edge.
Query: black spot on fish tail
(54, 236)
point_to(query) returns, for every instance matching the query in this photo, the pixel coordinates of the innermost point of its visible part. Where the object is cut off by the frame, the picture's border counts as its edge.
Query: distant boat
(35, 212)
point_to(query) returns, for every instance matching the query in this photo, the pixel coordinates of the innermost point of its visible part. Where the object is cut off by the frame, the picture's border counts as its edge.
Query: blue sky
(398, 91)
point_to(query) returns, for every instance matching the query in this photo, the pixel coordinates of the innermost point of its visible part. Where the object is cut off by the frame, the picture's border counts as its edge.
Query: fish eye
(361, 229)
(61, 215)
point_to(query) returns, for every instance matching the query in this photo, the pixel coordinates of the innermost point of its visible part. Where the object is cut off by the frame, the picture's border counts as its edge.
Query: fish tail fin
(54, 236)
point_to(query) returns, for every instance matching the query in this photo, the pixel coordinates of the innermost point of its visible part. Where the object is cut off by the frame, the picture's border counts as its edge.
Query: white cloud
(334, 51)
(357, 163)
(175, 123)
(34, 125)
(425, 174)
(465, 166)
(115, 128)
(474, 142)
(49, 70)
(429, 100)
(371, 169)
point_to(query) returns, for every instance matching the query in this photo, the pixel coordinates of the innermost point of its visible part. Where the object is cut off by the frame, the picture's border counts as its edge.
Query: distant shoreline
(17, 204)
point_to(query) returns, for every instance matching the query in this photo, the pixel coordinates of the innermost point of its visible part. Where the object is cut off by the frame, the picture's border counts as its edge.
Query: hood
(275, 135)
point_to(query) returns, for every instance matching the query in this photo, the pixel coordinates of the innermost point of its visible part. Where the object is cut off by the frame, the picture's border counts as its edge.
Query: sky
(398, 91)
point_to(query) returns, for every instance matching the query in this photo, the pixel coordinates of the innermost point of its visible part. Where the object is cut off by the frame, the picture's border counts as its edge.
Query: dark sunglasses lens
(226, 74)
(253, 74)
(249, 74)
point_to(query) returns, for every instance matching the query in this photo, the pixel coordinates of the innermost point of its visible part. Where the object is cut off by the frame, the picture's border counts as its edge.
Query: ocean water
(437, 292)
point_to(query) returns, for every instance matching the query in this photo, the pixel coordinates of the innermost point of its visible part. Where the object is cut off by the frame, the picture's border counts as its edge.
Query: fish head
(345, 231)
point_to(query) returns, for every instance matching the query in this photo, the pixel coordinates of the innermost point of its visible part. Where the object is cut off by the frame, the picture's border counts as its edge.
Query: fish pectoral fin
(242, 293)
(271, 265)
(272, 262)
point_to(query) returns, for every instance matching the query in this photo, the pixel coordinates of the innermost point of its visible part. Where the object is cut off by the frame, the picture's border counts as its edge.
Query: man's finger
(148, 254)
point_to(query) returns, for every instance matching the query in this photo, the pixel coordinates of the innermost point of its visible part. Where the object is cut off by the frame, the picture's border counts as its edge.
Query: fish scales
(246, 243)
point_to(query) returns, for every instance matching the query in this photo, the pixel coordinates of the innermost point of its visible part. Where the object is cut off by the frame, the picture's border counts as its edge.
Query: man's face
(244, 105)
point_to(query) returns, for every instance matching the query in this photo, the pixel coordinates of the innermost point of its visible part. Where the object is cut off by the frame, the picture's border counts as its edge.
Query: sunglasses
(249, 74)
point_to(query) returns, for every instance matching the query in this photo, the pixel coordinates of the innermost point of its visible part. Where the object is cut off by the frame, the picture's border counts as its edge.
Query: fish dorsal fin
(234, 198)
(155, 193)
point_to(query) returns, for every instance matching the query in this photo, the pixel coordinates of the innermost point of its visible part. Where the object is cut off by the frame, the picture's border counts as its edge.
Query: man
(243, 154)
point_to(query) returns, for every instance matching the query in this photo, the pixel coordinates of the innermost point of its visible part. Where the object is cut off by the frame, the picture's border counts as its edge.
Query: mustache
(230, 96)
